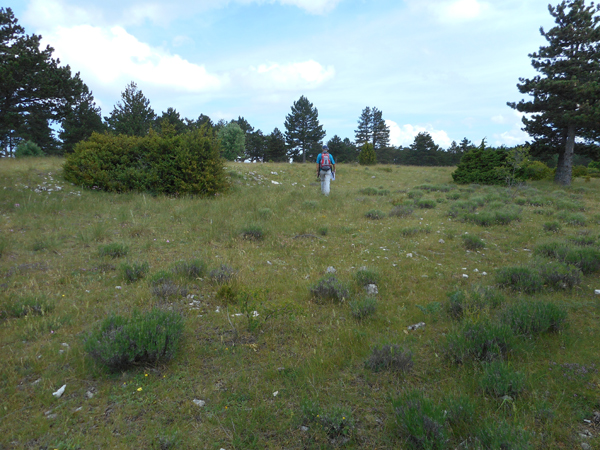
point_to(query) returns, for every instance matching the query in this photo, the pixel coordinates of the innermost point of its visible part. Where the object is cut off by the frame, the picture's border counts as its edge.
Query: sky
(446, 67)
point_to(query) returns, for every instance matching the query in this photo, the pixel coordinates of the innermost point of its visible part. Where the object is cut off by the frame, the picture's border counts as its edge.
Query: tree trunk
(564, 169)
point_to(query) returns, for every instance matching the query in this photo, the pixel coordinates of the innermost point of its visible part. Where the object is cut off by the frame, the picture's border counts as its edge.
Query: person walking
(325, 169)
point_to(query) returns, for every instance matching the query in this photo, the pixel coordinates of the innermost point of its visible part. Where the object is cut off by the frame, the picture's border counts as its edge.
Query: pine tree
(363, 134)
(232, 141)
(303, 133)
(381, 132)
(79, 124)
(31, 83)
(276, 150)
(173, 118)
(372, 129)
(132, 115)
(566, 96)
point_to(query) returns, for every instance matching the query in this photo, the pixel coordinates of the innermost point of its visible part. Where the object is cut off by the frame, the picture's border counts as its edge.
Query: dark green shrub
(16, 307)
(553, 249)
(123, 342)
(499, 380)
(28, 148)
(586, 259)
(472, 242)
(563, 204)
(559, 275)
(594, 165)
(227, 294)
(501, 436)
(460, 415)
(134, 272)
(461, 207)
(479, 166)
(222, 274)
(187, 163)
(421, 423)
(363, 307)
(365, 276)
(415, 195)
(553, 226)
(190, 269)
(375, 214)
(574, 219)
(114, 250)
(453, 196)
(389, 357)
(579, 171)
(520, 278)
(583, 241)
(426, 203)
(531, 318)
(401, 211)
(253, 233)
(329, 288)
(536, 170)
(479, 340)
(322, 231)
(367, 155)
(374, 191)
(473, 301)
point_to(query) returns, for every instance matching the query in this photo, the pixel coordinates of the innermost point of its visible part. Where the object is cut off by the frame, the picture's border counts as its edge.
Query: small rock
(373, 176)
(371, 289)
(199, 403)
(465, 275)
(507, 398)
(89, 394)
(118, 287)
(78, 409)
(441, 241)
(585, 446)
(597, 292)
(60, 392)
(331, 269)
(275, 394)
(303, 428)
(275, 182)
(36, 381)
(409, 255)
(416, 326)
(483, 273)
(476, 270)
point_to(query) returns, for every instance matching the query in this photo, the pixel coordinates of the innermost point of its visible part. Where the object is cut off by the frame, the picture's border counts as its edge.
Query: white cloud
(405, 135)
(452, 10)
(313, 6)
(300, 75)
(514, 136)
(113, 56)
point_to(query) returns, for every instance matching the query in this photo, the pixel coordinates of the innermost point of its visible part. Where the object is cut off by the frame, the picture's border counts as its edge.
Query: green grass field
(508, 357)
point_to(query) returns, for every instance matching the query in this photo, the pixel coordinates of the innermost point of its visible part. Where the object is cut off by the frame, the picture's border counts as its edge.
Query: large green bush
(28, 148)
(480, 166)
(367, 155)
(183, 164)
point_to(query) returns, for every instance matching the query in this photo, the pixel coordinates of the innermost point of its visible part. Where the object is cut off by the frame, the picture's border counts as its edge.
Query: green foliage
(472, 301)
(132, 115)
(472, 242)
(482, 340)
(337, 422)
(134, 272)
(28, 148)
(580, 171)
(375, 214)
(373, 191)
(489, 217)
(537, 170)
(426, 203)
(176, 165)
(553, 226)
(401, 211)
(415, 194)
(594, 165)
(559, 275)
(520, 278)
(372, 129)
(253, 232)
(222, 274)
(480, 166)
(585, 259)
(573, 219)
(114, 250)
(192, 269)
(329, 288)
(303, 132)
(531, 318)
(365, 276)
(367, 156)
(500, 380)
(121, 343)
(421, 422)
(501, 436)
(232, 141)
(21, 306)
(389, 357)
(363, 307)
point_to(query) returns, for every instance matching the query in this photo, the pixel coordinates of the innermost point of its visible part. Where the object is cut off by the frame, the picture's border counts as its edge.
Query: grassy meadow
(275, 352)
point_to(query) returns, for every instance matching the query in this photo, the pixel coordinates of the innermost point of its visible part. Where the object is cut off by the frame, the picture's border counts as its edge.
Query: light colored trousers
(325, 176)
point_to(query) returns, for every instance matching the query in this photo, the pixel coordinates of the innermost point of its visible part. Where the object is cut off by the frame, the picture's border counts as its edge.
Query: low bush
(337, 422)
(461, 207)
(363, 307)
(134, 272)
(481, 340)
(222, 274)
(420, 422)
(531, 318)
(499, 379)
(559, 275)
(390, 357)
(265, 213)
(472, 242)
(520, 278)
(329, 288)
(401, 211)
(375, 214)
(583, 241)
(499, 435)
(573, 219)
(28, 148)
(190, 269)
(16, 307)
(413, 231)
(253, 233)
(364, 276)
(536, 170)
(426, 203)
(374, 191)
(453, 196)
(585, 258)
(322, 231)
(114, 250)
(415, 195)
(121, 343)
(461, 413)
(473, 301)
(553, 226)
(310, 204)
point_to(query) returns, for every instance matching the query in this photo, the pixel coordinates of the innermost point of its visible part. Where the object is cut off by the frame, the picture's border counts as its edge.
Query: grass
(251, 328)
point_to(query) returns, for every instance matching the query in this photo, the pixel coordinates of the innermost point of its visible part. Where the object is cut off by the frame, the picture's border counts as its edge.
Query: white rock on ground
(199, 403)
(597, 292)
(371, 289)
(60, 392)
(331, 269)
(416, 326)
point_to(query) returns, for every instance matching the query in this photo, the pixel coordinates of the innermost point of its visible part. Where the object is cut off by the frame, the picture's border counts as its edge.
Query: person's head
(325, 149)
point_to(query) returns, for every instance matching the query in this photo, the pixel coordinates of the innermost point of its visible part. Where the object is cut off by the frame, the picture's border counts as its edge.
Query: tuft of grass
(114, 250)
(322, 231)
(401, 211)
(473, 301)
(553, 226)
(134, 272)
(222, 274)
(413, 231)
(499, 435)
(426, 203)
(265, 213)
(500, 380)
(531, 318)
(520, 278)
(415, 195)
(375, 214)
(472, 242)
(336, 422)
(482, 340)
(329, 288)
(364, 276)
(253, 233)
(389, 357)
(190, 269)
(121, 343)
(559, 275)
(30, 305)
(573, 219)
(363, 307)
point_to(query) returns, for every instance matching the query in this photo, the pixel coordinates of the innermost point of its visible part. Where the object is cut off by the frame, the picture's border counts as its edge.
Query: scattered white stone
(371, 289)
(465, 275)
(441, 241)
(199, 403)
(416, 326)
(275, 394)
(273, 173)
(269, 263)
(64, 344)
(409, 255)
(483, 273)
(79, 409)
(36, 381)
(331, 269)
(476, 270)
(597, 292)
(255, 314)
(118, 287)
(60, 392)
(303, 428)
(373, 176)
(275, 182)
(218, 310)
(464, 268)
(89, 394)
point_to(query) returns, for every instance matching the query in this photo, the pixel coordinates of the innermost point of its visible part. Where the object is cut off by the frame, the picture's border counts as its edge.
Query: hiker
(325, 169)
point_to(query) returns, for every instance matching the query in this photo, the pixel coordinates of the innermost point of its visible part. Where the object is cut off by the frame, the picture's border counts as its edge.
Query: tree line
(562, 118)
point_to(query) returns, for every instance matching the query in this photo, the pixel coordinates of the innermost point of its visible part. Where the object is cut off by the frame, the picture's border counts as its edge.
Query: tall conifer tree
(132, 115)
(372, 129)
(566, 95)
(303, 133)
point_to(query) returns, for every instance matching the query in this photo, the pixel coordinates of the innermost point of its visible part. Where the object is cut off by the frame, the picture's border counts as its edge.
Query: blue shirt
(330, 157)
